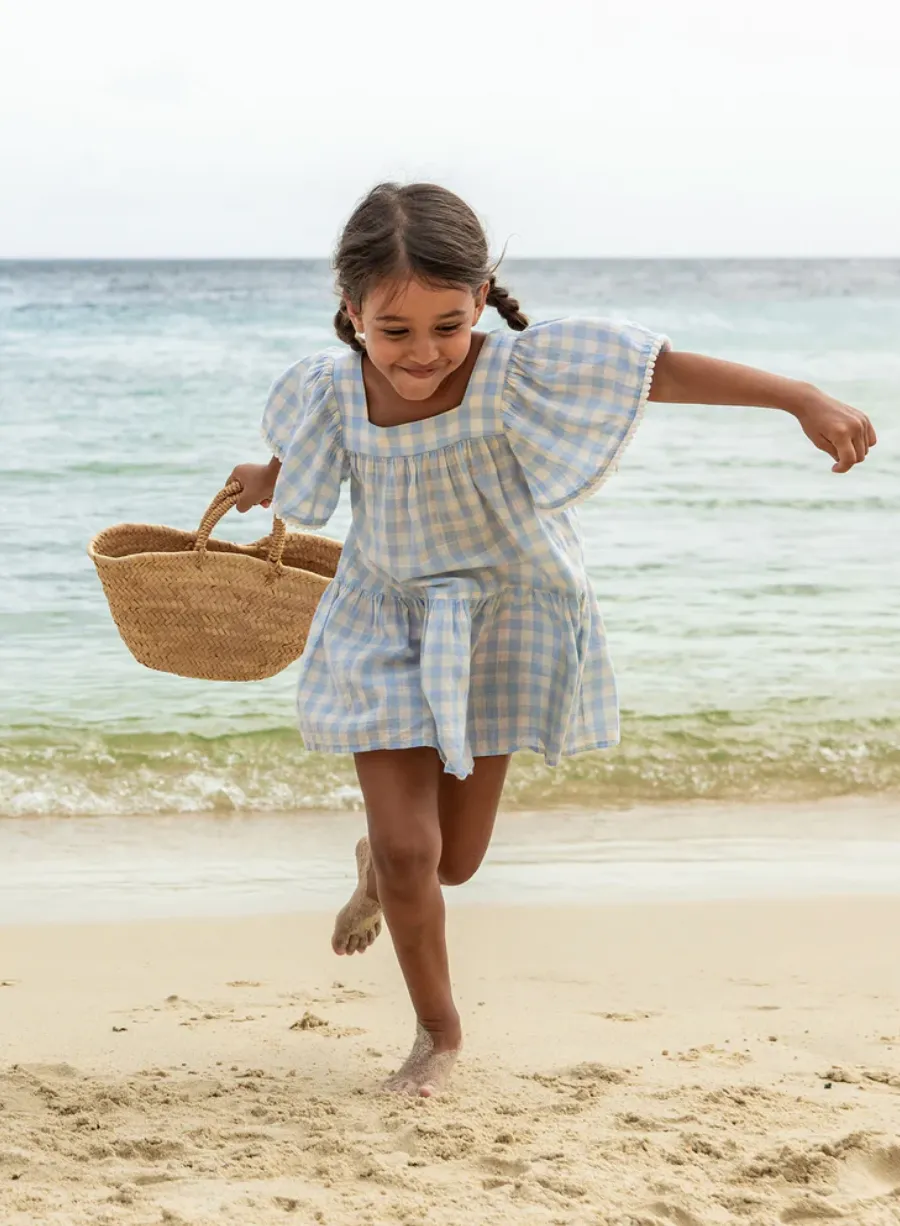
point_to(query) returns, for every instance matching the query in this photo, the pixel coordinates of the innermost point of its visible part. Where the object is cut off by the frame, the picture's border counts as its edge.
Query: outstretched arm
(843, 432)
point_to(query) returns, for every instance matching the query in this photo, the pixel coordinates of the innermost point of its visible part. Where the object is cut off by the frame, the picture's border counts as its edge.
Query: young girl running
(461, 625)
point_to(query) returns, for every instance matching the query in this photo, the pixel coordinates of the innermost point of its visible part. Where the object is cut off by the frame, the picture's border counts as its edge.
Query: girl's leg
(425, 828)
(401, 789)
(467, 809)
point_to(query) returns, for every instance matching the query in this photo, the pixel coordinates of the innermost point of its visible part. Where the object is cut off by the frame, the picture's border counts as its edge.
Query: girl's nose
(424, 350)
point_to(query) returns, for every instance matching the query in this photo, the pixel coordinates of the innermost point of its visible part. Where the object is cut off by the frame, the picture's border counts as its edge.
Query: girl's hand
(258, 481)
(844, 432)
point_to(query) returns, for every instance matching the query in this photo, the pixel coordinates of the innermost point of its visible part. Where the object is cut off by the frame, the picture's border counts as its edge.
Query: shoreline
(696, 1063)
(81, 869)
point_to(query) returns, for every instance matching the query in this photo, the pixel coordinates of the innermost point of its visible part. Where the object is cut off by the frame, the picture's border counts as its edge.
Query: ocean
(751, 596)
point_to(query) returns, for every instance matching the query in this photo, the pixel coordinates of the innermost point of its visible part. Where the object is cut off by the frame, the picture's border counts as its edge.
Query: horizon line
(325, 259)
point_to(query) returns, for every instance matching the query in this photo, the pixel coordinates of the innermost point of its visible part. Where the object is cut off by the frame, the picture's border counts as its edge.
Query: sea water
(751, 596)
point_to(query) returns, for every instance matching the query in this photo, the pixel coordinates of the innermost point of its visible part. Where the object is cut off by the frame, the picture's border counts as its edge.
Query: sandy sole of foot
(359, 922)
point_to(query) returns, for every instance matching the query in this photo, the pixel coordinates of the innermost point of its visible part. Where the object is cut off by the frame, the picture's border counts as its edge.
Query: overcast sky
(574, 127)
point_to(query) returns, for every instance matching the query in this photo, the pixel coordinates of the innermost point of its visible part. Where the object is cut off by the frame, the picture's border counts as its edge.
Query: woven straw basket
(211, 609)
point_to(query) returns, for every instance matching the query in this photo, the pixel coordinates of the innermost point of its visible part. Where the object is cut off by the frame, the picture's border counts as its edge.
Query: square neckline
(475, 375)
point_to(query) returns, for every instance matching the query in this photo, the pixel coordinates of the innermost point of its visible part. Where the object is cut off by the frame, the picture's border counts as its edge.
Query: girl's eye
(444, 329)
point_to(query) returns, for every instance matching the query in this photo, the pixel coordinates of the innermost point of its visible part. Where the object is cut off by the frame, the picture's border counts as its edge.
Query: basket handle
(222, 503)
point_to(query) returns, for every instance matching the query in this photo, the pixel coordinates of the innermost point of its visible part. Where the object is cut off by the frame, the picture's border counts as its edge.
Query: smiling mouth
(427, 373)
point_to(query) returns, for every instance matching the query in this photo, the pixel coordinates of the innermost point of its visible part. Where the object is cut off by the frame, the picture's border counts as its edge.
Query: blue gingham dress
(461, 616)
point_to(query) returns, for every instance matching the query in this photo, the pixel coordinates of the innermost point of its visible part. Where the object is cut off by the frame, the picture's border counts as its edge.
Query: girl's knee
(400, 861)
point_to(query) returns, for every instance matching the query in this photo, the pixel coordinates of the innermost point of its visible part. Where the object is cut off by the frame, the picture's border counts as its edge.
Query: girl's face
(416, 336)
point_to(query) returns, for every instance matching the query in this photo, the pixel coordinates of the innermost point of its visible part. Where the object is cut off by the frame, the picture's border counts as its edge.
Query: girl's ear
(355, 317)
(480, 299)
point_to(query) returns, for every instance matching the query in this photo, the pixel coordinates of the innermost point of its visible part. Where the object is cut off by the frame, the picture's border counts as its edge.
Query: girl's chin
(411, 388)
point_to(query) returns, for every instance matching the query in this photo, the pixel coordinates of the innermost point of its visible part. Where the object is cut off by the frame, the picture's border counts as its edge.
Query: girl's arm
(843, 432)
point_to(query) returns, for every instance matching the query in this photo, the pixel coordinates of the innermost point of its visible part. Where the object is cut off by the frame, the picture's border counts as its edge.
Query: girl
(461, 625)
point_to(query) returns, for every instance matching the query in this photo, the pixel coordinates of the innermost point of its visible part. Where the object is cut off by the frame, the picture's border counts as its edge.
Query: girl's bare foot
(427, 1067)
(359, 923)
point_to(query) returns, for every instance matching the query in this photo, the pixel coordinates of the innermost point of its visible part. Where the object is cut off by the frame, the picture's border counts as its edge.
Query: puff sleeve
(302, 427)
(575, 392)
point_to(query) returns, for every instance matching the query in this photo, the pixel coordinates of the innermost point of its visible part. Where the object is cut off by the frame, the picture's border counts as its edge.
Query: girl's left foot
(427, 1067)
(359, 923)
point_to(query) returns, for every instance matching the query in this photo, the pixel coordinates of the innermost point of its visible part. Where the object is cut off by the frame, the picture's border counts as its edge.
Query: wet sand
(86, 870)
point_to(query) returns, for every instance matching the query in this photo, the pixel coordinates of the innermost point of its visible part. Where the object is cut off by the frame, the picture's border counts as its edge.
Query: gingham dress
(461, 616)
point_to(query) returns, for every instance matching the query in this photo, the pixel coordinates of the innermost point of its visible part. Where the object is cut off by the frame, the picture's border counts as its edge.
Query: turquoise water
(750, 595)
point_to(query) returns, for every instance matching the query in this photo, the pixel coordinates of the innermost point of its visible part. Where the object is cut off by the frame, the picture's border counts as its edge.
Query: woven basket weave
(212, 609)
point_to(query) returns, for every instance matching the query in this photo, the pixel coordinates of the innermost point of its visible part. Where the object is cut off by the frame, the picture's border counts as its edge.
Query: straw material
(212, 609)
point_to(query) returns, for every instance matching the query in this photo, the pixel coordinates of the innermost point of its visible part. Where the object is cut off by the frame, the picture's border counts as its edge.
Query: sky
(573, 127)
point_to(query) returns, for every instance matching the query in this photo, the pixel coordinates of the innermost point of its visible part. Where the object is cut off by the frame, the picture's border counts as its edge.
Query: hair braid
(506, 306)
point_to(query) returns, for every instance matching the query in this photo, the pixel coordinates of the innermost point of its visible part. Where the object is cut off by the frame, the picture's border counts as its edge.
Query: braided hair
(343, 326)
(420, 231)
(506, 306)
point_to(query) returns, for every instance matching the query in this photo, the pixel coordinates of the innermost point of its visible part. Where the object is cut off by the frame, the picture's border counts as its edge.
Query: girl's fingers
(825, 444)
(867, 435)
(266, 502)
(846, 453)
(840, 447)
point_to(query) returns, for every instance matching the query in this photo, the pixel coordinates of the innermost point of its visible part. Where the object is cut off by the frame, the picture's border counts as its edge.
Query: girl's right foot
(359, 923)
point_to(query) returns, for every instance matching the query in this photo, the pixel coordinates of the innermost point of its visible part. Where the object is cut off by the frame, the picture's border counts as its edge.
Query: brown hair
(420, 230)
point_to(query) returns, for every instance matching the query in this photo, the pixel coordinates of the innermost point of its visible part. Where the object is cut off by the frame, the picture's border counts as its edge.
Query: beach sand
(636, 1065)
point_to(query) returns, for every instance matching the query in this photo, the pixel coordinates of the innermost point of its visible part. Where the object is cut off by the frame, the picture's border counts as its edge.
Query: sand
(670, 1065)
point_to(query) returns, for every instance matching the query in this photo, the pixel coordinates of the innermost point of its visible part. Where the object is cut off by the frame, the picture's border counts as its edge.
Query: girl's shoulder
(311, 371)
(304, 392)
(573, 342)
(575, 391)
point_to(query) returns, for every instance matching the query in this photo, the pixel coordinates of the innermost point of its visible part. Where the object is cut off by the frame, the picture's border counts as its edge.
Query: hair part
(421, 231)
